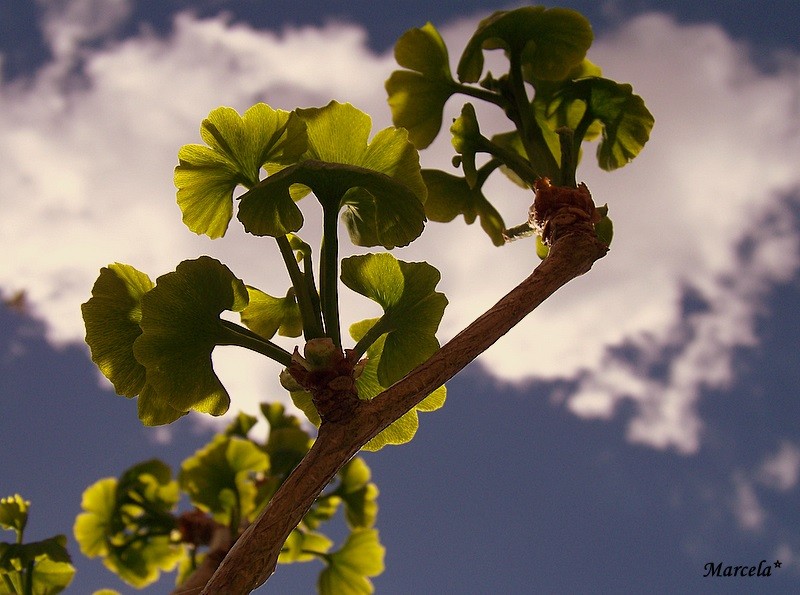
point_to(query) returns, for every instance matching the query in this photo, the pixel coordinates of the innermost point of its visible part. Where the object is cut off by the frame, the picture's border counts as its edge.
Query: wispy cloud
(703, 225)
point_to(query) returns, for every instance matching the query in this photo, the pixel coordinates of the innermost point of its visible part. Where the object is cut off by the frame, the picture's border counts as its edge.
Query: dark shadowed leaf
(417, 96)
(180, 328)
(549, 42)
(450, 196)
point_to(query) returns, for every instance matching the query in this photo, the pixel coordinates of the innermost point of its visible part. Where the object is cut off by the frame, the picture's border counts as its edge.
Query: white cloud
(88, 168)
(781, 471)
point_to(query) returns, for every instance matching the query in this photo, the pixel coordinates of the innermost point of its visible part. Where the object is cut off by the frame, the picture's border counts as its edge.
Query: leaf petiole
(234, 334)
(305, 292)
(329, 271)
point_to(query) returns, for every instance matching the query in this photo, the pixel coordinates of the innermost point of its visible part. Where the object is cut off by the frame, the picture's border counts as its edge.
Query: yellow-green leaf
(238, 147)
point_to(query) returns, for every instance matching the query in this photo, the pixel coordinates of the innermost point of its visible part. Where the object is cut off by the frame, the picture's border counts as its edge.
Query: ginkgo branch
(254, 556)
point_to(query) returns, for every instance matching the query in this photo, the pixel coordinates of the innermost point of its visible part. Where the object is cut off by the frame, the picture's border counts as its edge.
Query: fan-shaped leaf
(450, 196)
(625, 120)
(549, 42)
(112, 316)
(417, 96)
(412, 307)
(267, 315)
(220, 477)
(239, 146)
(180, 328)
(360, 557)
(378, 184)
(369, 386)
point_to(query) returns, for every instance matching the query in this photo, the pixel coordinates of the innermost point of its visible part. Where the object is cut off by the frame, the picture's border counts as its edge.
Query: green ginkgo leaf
(547, 42)
(304, 546)
(42, 566)
(180, 328)
(412, 308)
(51, 577)
(267, 315)
(417, 95)
(238, 147)
(14, 513)
(450, 196)
(348, 569)
(220, 477)
(127, 522)
(112, 316)
(626, 120)
(358, 493)
(378, 183)
(369, 386)
(468, 141)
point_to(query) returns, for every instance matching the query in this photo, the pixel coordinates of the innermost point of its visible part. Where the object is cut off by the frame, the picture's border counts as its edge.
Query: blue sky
(639, 425)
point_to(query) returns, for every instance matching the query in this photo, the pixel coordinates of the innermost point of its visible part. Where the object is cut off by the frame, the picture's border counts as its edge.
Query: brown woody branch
(253, 558)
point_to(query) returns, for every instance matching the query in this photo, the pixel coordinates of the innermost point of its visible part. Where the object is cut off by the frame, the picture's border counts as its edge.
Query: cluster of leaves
(154, 340)
(133, 524)
(570, 102)
(38, 567)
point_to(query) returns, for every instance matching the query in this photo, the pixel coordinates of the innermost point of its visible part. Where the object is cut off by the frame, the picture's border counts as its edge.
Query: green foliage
(154, 341)
(238, 147)
(417, 95)
(218, 478)
(548, 43)
(348, 569)
(38, 567)
(378, 183)
(133, 523)
(412, 308)
(450, 196)
(369, 386)
(546, 51)
(128, 522)
(267, 315)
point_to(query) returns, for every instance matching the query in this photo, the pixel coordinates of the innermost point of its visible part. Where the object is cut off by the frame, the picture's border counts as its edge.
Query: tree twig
(253, 557)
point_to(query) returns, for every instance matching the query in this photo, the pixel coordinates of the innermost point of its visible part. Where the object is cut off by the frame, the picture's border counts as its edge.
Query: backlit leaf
(377, 184)
(412, 307)
(348, 569)
(180, 328)
(267, 315)
(369, 386)
(220, 477)
(549, 42)
(450, 196)
(14, 513)
(238, 147)
(417, 96)
(625, 119)
(112, 317)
